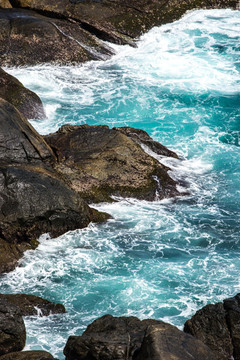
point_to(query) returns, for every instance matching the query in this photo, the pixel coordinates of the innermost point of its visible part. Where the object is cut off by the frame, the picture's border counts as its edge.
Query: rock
(12, 328)
(109, 338)
(100, 162)
(28, 355)
(33, 198)
(121, 21)
(232, 308)
(33, 305)
(26, 101)
(20, 143)
(166, 342)
(28, 38)
(218, 326)
(141, 137)
(5, 4)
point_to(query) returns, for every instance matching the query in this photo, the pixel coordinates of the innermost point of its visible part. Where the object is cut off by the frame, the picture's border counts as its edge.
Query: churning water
(162, 259)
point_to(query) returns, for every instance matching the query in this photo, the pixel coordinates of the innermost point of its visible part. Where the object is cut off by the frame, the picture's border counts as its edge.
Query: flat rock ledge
(122, 338)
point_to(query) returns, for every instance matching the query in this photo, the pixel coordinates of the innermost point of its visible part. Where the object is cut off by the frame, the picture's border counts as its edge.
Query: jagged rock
(28, 38)
(109, 338)
(33, 305)
(28, 355)
(100, 162)
(232, 308)
(25, 100)
(12, 328)
(33, 198)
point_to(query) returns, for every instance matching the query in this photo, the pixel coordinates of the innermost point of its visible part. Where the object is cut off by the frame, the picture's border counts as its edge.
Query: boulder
(25, 100)
(209, 325)
(232, 308)
(28, 355)
(33, 198)
(12, 328)
(28, 38)
(166, 342)
(100, 162)
(33, 305)
(109, 338)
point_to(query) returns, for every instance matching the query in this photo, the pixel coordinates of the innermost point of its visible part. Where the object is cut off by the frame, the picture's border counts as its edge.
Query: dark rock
(12, 328)
(100, 162)
(25, 100)
(232, 308)
(33, 305)
(109, 338)
(33, 198)
(28, 355)
(28, 38)
(209, 325)
(19, 142)
(120, 21)
(166, 342)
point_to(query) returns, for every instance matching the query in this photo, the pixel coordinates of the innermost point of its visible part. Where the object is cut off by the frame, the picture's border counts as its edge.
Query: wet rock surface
(129, 338)
(12, 328)
(100, 162)
(25, 100)
(33, 198)
(32, 305)
(218, 326)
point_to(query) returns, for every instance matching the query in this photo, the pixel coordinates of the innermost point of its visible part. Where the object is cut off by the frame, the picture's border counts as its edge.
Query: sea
(162, 259)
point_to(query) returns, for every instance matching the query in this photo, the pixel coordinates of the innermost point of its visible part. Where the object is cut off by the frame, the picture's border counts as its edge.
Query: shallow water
(162, 259)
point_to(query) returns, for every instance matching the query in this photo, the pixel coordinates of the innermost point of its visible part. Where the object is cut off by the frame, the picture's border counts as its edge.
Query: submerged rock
(33, 198)
(218, 326)
(33, 305)
(28, 355)
(109, 338)
(25, 100)
(12, 328)
(99, 162)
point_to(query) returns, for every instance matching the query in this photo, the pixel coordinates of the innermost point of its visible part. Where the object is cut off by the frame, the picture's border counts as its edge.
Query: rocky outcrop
(28, 38)
(28, 355)
(68, 31)
(25, 100)
(32, 305)
(33, 198)
(129, 338)
(99, 162)
(218, 326)
(12, 328)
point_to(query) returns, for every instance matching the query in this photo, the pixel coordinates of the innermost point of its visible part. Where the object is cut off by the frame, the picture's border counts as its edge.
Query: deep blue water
(162, 259)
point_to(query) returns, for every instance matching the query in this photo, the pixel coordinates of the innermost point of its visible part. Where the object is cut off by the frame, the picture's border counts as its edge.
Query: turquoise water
(162, 259)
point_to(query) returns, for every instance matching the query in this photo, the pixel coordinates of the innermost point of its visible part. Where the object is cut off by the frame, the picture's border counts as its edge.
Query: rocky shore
(46, 183)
